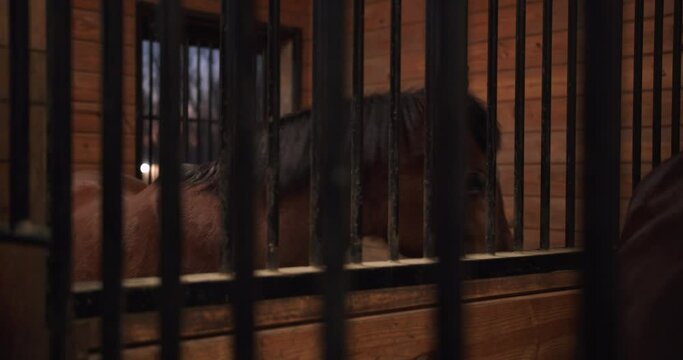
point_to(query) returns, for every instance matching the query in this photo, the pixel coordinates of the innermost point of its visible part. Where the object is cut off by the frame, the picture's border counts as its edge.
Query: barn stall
(525, 60)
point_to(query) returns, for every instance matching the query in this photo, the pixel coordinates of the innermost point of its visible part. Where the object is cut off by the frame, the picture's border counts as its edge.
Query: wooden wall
(412, 72)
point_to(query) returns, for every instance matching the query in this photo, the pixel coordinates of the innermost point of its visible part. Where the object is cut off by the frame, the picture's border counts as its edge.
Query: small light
(144, 168)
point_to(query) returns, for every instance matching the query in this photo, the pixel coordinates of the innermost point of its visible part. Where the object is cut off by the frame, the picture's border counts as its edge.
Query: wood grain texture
(537, 326)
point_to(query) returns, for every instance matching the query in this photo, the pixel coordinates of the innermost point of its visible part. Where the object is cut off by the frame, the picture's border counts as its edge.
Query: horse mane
(295, 138)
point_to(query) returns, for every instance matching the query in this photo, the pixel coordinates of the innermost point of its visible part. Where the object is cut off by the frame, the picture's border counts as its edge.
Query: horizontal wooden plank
(87, 25)
(87, 57)
(141, 328)
(87, 88)
(37, 25)
(128, 5)
(543, 325)
(4, 130)
(87, 148)
(4, 29)
(128, 167)
(91, 122)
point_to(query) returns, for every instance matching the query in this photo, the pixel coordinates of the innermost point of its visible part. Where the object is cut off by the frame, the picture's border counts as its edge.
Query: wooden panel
(38, 77)
(534, 326)
(87, 25)
(4, 185)
(128, 5)
(37, 30)
(38, 164)
(141, 328)
(4, 130)
(87, 148)
(87, 57)
(86, 87)
(4, 73)
(4, 23)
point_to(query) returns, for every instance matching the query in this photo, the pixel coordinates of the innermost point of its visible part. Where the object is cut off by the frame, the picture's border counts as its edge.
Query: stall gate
(481, 305)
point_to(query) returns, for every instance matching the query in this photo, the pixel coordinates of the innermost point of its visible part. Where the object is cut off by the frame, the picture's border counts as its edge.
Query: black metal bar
(637, 93)
(491, 127)
(150, 110)
(59, 123)
(198, 105)
(112, 133)
(328, 69)
(676, 82)
(446, 87)
(186, 99)
(139, 107)
(239, 103)
(210, 100)
(520, 67)
(273, 118)
(19, 111)
(546, 82)
(356, 230)
(570, 180)
(169, 21)
(395, 120)
(601, 179)
(296, 70)
(139, 299)
(657, 85)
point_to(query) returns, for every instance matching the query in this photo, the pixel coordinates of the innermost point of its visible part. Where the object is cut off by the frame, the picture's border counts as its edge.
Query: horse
(201, 208)
(650, 267)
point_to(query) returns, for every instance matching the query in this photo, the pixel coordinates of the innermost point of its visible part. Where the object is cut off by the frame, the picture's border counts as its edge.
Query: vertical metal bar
(296, 71)
(357, 133)
(657, 85)
(446, 86)
(570, 193)
(491, 127)
(601, 179)
(198, 107)
(239, 102)
(637, 92)
(210, 100)
(169, 21)
(186, 99)
(150, 102)
(327, 109)
(395, 120)
(676, 82)
(59, 122)
(546, 81)
(19, 108)
(139, 108)
(273, 110)
(520, 67)
(112, 132)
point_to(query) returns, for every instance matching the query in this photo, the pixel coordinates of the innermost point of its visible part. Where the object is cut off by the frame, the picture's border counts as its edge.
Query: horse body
(201, 208)
(650, 258)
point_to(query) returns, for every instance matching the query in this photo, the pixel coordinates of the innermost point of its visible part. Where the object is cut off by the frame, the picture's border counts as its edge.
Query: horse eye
(475, 184)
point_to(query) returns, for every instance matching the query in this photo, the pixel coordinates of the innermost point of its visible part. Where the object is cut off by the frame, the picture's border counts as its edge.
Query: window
(200, 87)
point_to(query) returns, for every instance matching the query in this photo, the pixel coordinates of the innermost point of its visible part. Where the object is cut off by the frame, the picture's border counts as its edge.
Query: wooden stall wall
(377, 24)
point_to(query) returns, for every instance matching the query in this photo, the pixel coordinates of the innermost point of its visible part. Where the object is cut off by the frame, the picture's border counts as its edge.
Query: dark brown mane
(295, 137)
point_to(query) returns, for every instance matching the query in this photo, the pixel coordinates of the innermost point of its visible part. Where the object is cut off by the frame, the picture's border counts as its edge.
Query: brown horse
(650, 258)
(201, 219)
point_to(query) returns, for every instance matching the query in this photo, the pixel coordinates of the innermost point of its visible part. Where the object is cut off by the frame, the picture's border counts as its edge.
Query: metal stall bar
(570, 179)
(446, 90)
(657, 85)
(491, 127)
(169, 21)
(112, 133)
(273, 118)
(210, 103)
(19, 111)
(328, 70)
(601, 178)
(520, 65)
(546, 83)
(150, 104)
(186, 98)
(637, 93)
(59, 123)
(139, 108)
(676, 82)
(356, 229)
(394, 121)
(198, 104)
(238, 71)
